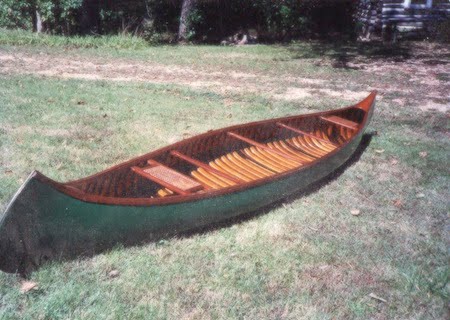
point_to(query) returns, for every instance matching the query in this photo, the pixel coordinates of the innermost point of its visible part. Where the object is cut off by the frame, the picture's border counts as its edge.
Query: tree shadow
(347, 54)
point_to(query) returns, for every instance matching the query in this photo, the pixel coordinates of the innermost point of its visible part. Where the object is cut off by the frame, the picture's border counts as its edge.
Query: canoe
(196, 182)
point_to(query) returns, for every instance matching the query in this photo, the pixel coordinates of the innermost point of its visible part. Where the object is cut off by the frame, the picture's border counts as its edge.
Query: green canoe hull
(42, 223)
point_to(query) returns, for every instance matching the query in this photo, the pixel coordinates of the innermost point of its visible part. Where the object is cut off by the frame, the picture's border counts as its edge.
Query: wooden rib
(253, 165)
(220, 165)
(204, 166)
(111, 190)
(260, 145)
(272, 156)
(296, 143)
(327, 146)
(325, 136)
(277, 145)
(144, 174)
(308, 141)
(264, 156)
(302, 155)
(280, 124)
(216, 178)
(317, 144)
(330, 130)
(247, 169)
(205, 180)
(248, 174)
(282, 160)
(268, 164)
(349, 134)
(341, 122)
(252, 174)
(312, 145)
(343, 134)
(339, 137)
(164, 192)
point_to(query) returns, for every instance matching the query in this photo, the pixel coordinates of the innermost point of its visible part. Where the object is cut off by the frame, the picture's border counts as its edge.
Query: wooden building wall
(380, 17)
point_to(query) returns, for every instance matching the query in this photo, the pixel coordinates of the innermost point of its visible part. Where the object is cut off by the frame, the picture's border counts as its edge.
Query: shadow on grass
(344, 53)
(314, 187)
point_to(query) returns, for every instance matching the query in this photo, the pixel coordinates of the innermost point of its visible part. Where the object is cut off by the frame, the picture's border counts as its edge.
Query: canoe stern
(21, 247)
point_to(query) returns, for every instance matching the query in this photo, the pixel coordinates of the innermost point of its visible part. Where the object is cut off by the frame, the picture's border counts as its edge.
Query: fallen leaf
(420, 195)
(374, 296)
(113, 273)
(246, 297)
(355, 212)
(423, 154)
(380, 151)
(398, 203)
(27, 286)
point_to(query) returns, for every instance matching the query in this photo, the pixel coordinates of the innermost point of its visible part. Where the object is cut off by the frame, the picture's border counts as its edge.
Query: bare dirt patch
(78, 67)
(419, 77)
(293, 93)
(432, 106)
(121, 70)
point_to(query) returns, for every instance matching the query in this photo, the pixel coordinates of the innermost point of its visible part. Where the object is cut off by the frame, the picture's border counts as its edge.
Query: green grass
(19, 37)
(307, 259)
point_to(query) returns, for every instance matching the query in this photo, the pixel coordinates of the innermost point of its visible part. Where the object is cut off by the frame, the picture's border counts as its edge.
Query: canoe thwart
(341, 122)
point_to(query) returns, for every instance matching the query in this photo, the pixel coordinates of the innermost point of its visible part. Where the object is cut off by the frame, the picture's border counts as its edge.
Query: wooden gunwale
(71, 191)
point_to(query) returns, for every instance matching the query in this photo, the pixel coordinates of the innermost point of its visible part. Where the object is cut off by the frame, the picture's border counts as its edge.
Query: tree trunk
(38, 22)
(90, 17)
(186, 10)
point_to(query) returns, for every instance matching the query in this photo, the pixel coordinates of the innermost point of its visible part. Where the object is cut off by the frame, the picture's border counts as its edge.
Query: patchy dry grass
(309, 258)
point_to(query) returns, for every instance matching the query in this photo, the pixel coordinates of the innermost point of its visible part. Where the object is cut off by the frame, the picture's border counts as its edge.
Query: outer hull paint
(42, 223)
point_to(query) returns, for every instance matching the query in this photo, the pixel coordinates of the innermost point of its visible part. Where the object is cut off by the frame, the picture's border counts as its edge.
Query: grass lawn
(69, 110)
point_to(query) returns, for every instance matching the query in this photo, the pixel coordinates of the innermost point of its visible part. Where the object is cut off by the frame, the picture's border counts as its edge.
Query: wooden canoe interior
(227, 157)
